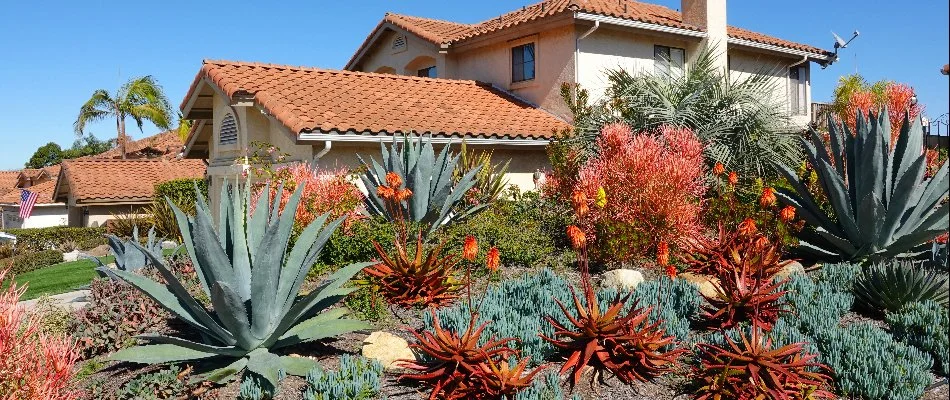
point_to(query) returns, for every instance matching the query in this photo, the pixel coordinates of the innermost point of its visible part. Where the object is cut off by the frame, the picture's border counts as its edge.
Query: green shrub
(159, 385)
(925, 325)
(180, 192)
(355, 243)
(367, 304)
(115, 314)
(54, 319)
(26, 262)
(357, 379)
(545, 387)
(39, 239)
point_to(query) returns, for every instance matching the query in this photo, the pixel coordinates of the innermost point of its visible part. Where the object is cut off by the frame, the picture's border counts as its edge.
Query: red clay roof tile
(115, 179)
(44, 190)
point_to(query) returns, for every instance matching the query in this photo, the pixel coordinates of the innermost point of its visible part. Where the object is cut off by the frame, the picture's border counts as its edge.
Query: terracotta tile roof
(448, 32)
(166, 143)
(310, 99)
(8, 181)
(45, 191)
(122, 180)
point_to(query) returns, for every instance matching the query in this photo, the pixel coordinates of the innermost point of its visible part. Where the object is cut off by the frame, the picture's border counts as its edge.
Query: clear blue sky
(53, 55)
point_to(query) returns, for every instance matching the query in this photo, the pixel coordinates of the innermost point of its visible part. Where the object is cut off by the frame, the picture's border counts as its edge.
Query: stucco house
(46, 212)
(495, 83)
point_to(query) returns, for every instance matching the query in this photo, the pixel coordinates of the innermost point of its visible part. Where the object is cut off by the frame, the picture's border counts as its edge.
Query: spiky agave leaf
(253, 283)
(890, 286)
(436, 196)
(882, 205)
(128, 257)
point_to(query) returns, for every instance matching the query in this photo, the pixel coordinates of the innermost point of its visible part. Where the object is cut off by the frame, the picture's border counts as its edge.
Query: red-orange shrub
(644, 189)
(326, 191)
(897, 99)
(33, 365)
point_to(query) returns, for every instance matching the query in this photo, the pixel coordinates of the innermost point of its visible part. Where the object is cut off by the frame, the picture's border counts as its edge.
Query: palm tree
(140, 98)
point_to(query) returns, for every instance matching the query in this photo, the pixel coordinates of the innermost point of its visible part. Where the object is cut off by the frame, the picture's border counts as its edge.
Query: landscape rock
(707, 285)
(387, 349)
(790, 267)
(623, 280)
(71, 256)
(168, 244)
(101, 250)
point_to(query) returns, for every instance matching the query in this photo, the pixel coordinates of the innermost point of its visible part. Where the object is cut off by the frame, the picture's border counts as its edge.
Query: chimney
(710, 16)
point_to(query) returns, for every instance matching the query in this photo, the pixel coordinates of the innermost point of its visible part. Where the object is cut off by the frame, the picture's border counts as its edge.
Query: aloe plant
(882, 205)
(892, 285)
(128, 257)
(253, 282)
(436, 197)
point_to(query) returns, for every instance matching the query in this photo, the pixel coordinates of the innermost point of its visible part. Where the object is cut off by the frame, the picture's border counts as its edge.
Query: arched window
(421, 66)
(228, 131)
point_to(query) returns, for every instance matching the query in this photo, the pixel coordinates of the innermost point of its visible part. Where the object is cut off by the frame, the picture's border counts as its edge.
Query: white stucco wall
(383, 56)
(43, 216)
(98, 215)
(742, 64)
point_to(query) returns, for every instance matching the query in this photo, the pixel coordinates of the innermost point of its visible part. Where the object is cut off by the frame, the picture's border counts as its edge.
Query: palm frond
(99, 106)
(142, 99)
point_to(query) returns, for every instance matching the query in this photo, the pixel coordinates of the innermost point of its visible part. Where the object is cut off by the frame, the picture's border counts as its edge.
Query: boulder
(790, 267)
(100, 251)
(168, 244)
(623, 280)
(388, 349)
(71, 256)
(706, 284)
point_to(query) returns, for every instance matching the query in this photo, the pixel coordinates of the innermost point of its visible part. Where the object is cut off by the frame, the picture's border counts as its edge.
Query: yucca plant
(253, 283)
(883, 206)
(436, 195)
(754, 369)
(128, 257)
(889, 286)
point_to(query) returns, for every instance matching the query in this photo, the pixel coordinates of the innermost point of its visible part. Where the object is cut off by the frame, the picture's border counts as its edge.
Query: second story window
(427, 72)
(796, 91)
(522, 63)
(668, 60)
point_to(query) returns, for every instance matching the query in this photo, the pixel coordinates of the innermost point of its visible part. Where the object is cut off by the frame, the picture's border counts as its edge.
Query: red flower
(663, 254)
(671, 271)
(733, 178)
(403, 195)
(385, 192)
(787, 214)
(470, 250)
(578, 239)
(768, 197)
(579, 199)
(393, 180)
(493, 260)
(747, 227)
(719, 169)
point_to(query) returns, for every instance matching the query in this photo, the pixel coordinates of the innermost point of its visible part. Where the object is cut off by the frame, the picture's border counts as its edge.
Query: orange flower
(663, 254)
(492, 260)
(671, 271)
(470, 250)
(747, 227)
(577, 236)
(761, 242)
(580, 203)
(719, 169)
(733, 178)
(768, 197)
(787, 214)
(393, 180)
(385, 192)
(403, 195)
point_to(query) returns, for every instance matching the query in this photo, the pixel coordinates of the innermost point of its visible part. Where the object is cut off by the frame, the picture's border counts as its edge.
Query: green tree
(184, 127)
(86, 146)
(141, 99)
(48, 154)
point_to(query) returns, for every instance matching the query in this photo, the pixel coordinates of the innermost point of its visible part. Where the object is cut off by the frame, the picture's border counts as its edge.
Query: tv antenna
(840, 44)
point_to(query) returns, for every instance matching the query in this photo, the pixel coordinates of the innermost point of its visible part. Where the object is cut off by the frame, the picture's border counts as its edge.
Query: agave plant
(128, 257)
(436, 197)
(253, 283)
(891, 285)
(883, 206)
(754, 369)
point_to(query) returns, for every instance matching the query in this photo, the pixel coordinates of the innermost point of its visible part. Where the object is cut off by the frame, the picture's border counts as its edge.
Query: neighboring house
(46, 212)
(496, 83)
(96, 189)
(8, 181)
(166, 144)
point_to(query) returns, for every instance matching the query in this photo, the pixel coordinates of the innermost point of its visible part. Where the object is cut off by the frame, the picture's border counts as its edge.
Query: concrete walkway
(73, 300)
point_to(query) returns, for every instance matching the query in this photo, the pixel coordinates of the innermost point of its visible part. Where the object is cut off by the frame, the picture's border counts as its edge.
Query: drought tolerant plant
(169, 383)
(490, 180)
(357, 379)
(889, 286)
(853, 94)
(128, 257)
(925, 325)
(755, 368)
(546, 388)
(115, 315)
(639, 191)
(253, 280)
(436, 197)
(33, 365)
(882, 205)
(325, 191)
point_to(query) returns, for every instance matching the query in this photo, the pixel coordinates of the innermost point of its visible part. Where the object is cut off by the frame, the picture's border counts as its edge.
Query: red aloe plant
(753, 369)
(502, 379)
(418, 280)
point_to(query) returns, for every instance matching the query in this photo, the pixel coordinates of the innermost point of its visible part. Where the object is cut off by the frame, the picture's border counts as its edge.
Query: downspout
(327, 145)
(577, 51)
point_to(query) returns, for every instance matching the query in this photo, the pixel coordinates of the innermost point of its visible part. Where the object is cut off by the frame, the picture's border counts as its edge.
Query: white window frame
(672, 66)
(799, 91)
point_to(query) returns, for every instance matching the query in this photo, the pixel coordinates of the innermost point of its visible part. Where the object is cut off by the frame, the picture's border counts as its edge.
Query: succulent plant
(882, 205)
(253, 281)
(357, 379)
(128, 257)
(889, 286)
(754, 368)
(421, 279)
(925, 325)
(747, 291)
(436, 196)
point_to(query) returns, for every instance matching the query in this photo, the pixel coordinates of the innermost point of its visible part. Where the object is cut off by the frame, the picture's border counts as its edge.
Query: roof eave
(630, 23)
(812, 56)
(354, 136)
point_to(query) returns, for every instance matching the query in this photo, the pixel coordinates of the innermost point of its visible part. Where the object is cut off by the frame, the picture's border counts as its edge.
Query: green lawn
(59, 278)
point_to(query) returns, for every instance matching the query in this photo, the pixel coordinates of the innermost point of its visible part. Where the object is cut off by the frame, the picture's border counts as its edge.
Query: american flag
(27, 201)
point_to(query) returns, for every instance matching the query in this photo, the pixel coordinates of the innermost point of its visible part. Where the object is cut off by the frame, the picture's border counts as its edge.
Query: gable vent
(228, 133)
(399, 43)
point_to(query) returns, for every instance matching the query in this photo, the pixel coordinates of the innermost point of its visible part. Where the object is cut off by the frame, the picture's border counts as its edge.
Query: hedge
(39, 239)
(31, 261)
(181, 191)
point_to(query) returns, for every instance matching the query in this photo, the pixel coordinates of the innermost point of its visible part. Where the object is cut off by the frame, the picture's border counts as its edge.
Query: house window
(796, 90)
(668, 60)
(427, 72)
(522, 63)
(228, 132)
